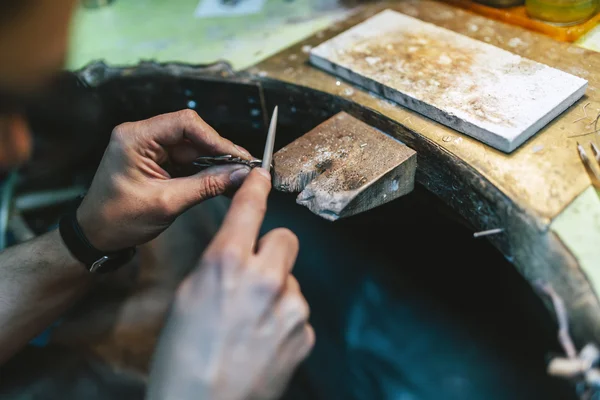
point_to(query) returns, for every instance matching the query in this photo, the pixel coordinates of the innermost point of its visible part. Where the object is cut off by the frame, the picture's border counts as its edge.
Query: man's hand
(132, 198)
(239, 325)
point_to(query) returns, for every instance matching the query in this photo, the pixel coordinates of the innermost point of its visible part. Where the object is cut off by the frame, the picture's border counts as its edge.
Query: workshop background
(385, 329)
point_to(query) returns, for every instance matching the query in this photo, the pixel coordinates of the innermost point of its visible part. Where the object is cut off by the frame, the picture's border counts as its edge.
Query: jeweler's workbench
(538, 198)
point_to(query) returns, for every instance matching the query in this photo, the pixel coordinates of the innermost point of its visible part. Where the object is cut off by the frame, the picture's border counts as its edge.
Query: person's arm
(39, 279)
(131, 200)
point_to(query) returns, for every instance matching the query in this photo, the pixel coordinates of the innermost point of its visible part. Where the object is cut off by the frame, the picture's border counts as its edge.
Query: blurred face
(33, 44)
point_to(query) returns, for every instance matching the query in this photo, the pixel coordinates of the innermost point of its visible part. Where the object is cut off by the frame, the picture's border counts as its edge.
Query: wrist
(63, 253)
(91, 228)
(78, 243)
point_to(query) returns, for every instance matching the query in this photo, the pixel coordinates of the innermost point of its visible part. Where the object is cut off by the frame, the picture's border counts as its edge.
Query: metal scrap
(581, 368)
(561, 315)
(488, 232)
(584, 113)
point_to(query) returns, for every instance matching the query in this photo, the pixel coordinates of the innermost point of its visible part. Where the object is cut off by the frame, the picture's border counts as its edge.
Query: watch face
(100, 264)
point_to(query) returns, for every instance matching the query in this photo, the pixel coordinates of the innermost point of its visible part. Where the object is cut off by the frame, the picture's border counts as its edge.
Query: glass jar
(561, 12)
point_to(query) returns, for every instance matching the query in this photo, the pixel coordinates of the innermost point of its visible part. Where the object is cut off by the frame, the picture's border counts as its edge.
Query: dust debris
(537, 148)
(575, 50)
(515, 42)
(444, 15)
(444, 60)
(372, 60)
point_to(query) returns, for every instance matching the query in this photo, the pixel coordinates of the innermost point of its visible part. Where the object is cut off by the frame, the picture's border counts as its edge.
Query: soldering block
(344, 167)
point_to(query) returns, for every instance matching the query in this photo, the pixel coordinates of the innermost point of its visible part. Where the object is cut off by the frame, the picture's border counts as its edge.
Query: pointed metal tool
(268, 154)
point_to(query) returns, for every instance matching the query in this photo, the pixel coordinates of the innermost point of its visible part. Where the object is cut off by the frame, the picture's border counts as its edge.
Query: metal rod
(488, 232)
(47, 198)
(5, 206)
(268, 154)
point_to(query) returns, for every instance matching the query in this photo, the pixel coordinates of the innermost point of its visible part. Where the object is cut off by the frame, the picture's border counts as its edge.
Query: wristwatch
(80, 247)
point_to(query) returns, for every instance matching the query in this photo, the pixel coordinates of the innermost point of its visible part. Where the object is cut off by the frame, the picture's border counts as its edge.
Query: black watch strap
(80, 247)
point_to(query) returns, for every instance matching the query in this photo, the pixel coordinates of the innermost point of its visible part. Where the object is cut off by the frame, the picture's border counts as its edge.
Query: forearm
(39, 280)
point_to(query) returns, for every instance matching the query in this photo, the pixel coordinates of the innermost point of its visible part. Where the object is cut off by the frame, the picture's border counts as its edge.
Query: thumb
(188, 191)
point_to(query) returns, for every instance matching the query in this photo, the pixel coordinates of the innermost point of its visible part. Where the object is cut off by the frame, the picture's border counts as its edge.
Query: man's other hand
(239, 326)
(132, 198)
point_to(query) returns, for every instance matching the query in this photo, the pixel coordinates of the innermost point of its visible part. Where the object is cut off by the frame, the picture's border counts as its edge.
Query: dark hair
(10, 8)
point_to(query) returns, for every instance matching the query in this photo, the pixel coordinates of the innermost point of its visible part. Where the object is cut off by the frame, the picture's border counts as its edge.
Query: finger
(242, 223)
(276, 282)
(300, 336)
(293, 300)
(289, 355)
(278, 247)
(173, 128)
(188, 191)
(302, 342)
(292, 350)
(310, 338)
(292, 285)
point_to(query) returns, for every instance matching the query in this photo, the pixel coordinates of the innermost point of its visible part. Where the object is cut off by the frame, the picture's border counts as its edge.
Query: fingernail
(264, 173)
(243, 151)
(238, 176)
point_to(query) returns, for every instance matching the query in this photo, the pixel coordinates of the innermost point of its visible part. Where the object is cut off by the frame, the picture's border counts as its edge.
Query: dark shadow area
(408, 305)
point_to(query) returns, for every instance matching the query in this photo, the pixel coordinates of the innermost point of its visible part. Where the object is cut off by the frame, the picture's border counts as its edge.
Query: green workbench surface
(127, 31)
(578, 226)
(130, 30)
(590, 40)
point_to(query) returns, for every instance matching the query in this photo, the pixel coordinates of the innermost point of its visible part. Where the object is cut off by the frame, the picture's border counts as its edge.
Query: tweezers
(210, 161)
